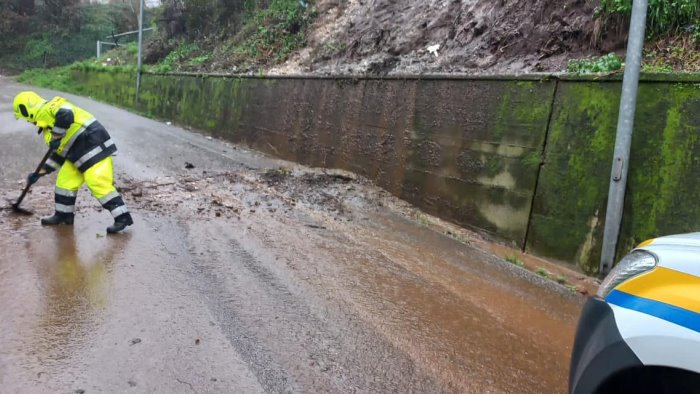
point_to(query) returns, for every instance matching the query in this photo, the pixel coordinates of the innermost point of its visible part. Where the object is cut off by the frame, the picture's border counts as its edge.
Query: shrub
(604, 64)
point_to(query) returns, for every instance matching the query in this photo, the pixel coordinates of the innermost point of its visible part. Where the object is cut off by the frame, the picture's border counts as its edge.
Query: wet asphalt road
(234, 281)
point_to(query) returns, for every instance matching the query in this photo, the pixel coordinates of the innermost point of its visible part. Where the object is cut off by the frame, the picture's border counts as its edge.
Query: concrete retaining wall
(664, 178)
(468, 150)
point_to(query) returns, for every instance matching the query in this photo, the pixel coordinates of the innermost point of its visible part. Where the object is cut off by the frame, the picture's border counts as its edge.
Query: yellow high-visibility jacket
(84, 141)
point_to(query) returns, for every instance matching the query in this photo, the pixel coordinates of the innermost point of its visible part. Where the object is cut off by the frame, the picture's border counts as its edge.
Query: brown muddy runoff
(303, 280)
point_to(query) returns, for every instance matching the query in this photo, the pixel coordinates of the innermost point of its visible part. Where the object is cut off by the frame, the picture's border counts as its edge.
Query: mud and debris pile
(335, 201)
(231, 195)
(448, 36)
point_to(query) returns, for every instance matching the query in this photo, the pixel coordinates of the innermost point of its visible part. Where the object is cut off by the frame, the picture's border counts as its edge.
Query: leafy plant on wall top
(604, 64)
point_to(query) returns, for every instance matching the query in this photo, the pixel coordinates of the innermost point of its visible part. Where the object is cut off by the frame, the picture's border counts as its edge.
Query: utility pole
(138, 64)
(623, 140)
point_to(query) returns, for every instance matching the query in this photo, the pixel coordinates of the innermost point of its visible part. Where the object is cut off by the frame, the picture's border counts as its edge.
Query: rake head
(17, 209)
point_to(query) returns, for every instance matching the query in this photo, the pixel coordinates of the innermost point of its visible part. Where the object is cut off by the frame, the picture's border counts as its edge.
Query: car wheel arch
(651, 379)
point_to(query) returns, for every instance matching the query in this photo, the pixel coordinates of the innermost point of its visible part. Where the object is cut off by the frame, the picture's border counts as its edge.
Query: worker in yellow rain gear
(82, 149)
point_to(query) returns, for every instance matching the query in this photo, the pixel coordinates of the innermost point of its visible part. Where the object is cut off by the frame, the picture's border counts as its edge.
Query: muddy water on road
(467, 325)
(337, 289)
(471, 321)
(84, 312)
(268, 281)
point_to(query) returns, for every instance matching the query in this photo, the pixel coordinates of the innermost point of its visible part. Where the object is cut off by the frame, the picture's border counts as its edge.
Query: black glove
(54, 144)
(33, 177)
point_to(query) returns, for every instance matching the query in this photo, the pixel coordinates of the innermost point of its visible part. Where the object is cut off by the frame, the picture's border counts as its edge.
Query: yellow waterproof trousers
(99, 179)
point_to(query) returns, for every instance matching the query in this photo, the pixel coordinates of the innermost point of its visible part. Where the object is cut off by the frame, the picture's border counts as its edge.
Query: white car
(641, 333)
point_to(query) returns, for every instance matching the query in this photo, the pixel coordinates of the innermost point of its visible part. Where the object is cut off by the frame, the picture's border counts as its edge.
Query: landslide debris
(448, 36)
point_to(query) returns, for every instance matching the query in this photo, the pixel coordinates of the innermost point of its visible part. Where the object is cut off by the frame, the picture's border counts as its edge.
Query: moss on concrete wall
(664, 175)
(664, 179)
(572, 193)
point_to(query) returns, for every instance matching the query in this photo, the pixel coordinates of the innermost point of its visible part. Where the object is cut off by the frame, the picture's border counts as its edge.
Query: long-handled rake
(15, 205)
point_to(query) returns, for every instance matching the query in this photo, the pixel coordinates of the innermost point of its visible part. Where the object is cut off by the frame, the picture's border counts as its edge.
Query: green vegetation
(494, 166)
(457, 237)
(657, 68)
(174, 58)
(515, 260)
(57, 33)
(673, 53)
(271, 34)
(604, 64)
(57, 78)
(543, 272)
(663, 16)
(673, 32)
(532, 160)
(244, 36)
(200, 59)
(424, 219)
(572, 288)
(580, 143)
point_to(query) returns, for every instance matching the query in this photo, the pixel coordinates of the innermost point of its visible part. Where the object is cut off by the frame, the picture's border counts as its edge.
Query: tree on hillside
(14, 20)
(57, 10)
(20, 7)
(57, 32)
(209, 17)
(172, 20)
(128, 19)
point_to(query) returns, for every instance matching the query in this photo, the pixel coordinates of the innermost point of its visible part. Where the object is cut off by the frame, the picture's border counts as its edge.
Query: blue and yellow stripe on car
(663, 293)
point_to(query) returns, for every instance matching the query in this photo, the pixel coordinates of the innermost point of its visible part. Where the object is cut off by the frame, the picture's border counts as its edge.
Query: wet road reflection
(73, 275)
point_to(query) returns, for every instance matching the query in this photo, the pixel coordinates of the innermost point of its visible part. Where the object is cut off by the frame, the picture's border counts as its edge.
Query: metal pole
(138, 64)
(623, 141)
(98, 48)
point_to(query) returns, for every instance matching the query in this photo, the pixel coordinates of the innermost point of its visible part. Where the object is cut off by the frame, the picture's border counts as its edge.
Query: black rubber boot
(120, 223)
(58, 218)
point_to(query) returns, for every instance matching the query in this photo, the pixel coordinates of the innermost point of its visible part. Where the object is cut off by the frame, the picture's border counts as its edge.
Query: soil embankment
(436, 36)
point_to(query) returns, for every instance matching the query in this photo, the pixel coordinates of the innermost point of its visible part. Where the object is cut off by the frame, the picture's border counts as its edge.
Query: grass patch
(515, 260)
(457, 237)
(57, 78)
(174, 59)
(123, 56)
(423, 219)
(543, 273)
(199, 60)
(672, 53)
(573, 289)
